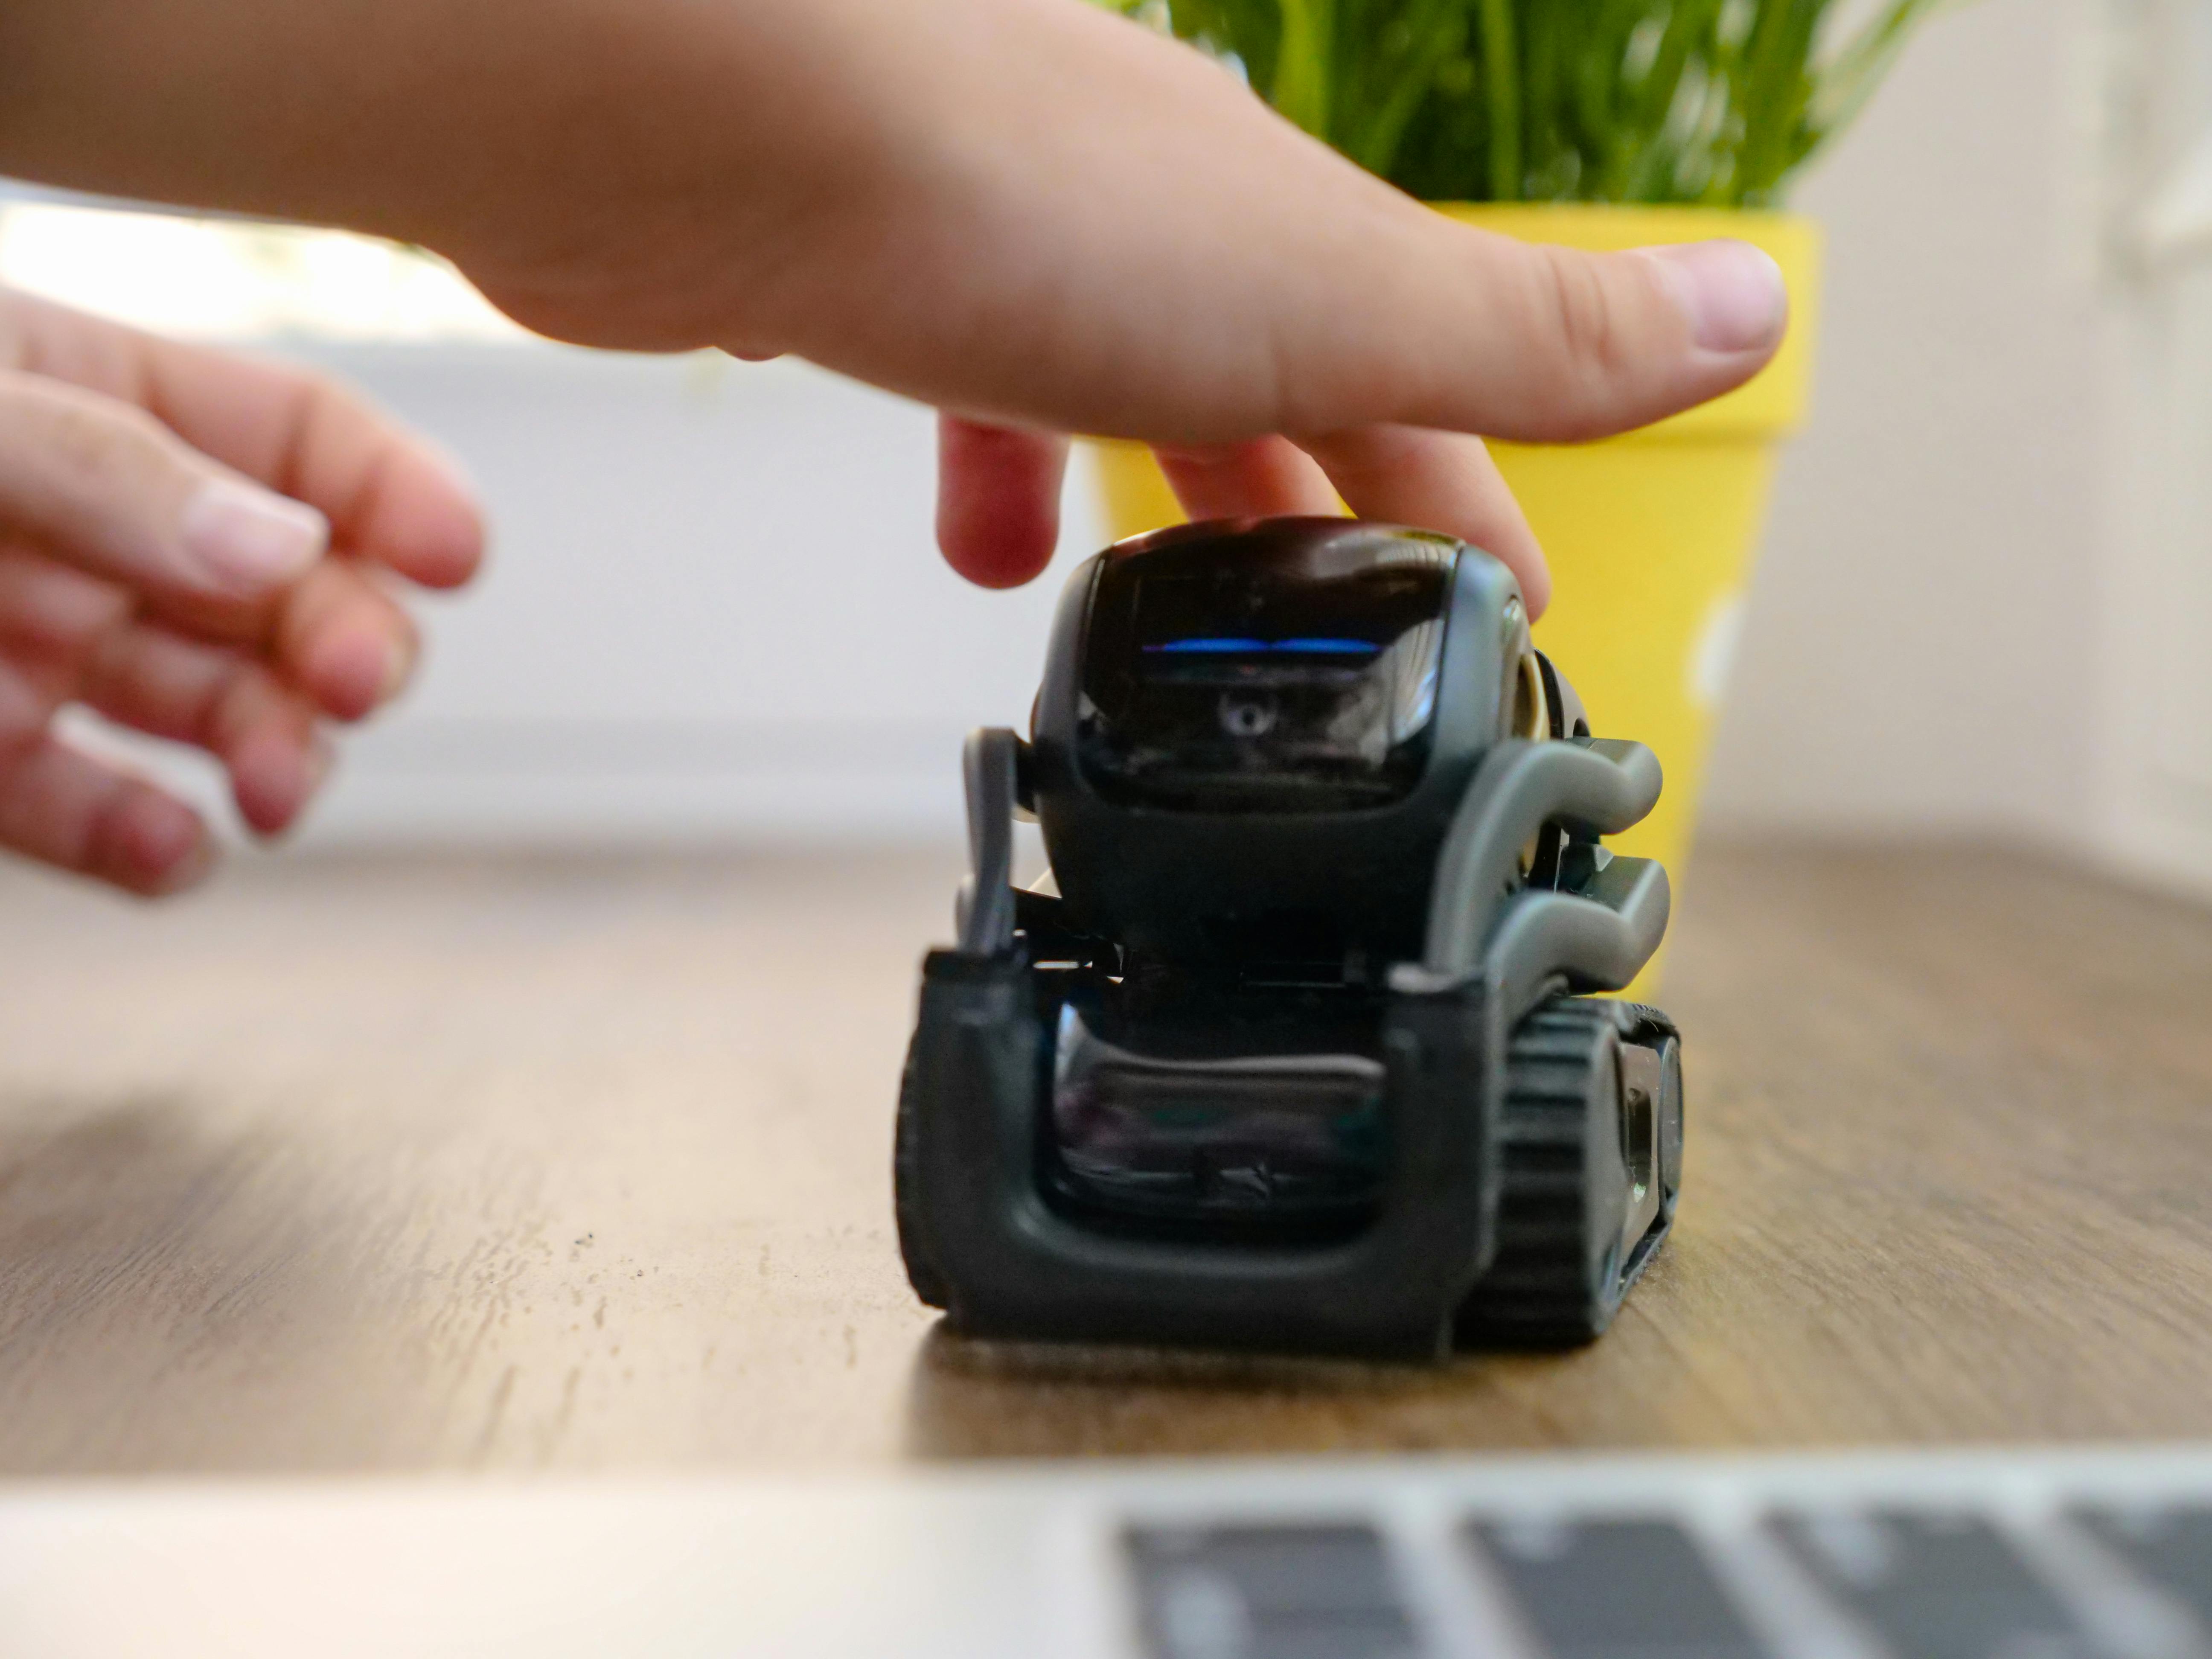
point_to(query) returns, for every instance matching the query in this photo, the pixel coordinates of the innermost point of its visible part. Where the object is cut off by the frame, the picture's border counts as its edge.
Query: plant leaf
(1719, 101)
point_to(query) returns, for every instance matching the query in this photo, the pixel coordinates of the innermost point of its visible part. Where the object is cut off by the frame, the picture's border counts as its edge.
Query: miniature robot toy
(1298, 1055)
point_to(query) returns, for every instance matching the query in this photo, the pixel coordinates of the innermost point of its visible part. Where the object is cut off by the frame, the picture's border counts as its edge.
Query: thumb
(1604, 342)
(105, 487)
(1173, 261)
(1480, 332)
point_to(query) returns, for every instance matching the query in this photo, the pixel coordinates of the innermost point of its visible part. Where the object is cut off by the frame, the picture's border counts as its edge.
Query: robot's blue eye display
(1308, 647)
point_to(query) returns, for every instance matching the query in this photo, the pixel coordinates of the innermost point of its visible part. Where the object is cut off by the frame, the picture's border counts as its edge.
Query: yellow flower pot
(1651, 535)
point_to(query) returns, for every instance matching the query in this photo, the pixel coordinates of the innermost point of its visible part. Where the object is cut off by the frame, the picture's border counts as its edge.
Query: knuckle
(1576, 308)
(25, 710)
(317, 399)
(241, 699)
(51, 612)
(93, 446)
(106, 439)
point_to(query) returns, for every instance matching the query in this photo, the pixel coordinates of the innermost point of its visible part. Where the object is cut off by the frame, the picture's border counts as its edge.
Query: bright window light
(228, 280)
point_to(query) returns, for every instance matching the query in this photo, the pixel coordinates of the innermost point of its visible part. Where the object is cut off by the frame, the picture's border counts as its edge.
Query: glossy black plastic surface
(1237, 1116)
(1306, 681)
(1229, 778)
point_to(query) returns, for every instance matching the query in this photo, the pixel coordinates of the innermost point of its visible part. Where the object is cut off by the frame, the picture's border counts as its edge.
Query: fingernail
(165, 846)
(314, 772)
(399, 669)
(301, 773)
(191, 870)
(322, 755)
(1732, 293)
(448, 466)
(248, 540)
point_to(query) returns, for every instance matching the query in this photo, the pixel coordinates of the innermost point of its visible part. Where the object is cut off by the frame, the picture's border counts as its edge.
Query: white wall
(1920, 652)
(2153, 789)
(714, 609)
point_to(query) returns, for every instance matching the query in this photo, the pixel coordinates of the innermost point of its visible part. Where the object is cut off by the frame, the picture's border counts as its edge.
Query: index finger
(1437, 481)
(390, 496)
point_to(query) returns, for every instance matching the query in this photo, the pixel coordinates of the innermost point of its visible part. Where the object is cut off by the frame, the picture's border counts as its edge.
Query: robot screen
(1297, 680)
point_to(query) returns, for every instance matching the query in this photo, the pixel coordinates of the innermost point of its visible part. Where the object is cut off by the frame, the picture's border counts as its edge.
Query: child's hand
(192, 544)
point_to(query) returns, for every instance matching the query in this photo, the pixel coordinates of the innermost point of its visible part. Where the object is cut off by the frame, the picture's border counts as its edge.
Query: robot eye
(1225, 646)
(1207, 646)
(1246, 714)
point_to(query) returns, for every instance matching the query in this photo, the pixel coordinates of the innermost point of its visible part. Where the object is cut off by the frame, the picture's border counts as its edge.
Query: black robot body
(1290, 1058)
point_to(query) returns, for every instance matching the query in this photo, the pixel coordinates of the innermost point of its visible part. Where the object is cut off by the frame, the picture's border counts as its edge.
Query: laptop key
(1269, 1592)
(1615, 1589)
(1935, 1586)
(2171, 1548)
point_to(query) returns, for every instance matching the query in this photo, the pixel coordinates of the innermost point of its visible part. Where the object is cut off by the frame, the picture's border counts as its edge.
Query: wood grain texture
(453, 1163)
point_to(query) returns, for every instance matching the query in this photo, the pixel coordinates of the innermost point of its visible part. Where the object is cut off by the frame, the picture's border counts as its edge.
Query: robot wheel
(921, 1272)
(1591, 1139)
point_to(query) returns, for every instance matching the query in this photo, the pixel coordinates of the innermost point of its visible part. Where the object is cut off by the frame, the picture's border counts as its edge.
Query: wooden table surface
(465, 1164)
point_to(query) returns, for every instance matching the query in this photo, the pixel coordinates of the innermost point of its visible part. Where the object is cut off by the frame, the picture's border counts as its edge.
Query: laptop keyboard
(1996, 1552)
(1990, 1563)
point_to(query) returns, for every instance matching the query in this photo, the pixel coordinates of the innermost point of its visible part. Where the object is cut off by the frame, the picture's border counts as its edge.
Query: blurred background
(715, 614)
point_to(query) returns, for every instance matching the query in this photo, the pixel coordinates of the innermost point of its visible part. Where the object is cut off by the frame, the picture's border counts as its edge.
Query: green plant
(1710, 101)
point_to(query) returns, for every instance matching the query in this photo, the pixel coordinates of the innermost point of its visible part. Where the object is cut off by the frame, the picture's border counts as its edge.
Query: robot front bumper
(1007, 1255)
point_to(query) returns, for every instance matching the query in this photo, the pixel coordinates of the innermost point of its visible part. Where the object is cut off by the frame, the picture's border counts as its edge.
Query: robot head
(1252, 735)
(1305, 680)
